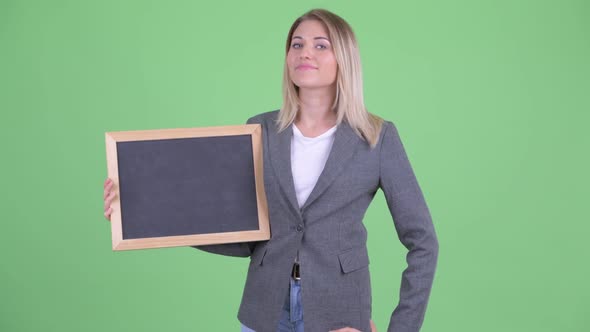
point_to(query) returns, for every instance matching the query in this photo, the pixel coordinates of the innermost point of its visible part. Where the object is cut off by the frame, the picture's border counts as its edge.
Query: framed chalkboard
(187, 186)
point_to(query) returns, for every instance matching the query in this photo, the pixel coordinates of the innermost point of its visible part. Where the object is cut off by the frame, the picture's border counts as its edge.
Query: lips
(305, 67)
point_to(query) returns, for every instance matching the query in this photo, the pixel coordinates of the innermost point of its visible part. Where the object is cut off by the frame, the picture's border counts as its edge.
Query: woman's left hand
(350, 329)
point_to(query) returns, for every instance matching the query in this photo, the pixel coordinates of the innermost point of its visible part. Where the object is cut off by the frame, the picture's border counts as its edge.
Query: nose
(306, 52)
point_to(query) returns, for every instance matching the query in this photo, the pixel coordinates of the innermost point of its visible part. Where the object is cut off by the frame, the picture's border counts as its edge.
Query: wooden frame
(121, 243)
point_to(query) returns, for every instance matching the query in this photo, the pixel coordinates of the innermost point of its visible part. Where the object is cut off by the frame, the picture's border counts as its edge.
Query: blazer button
(300, 228)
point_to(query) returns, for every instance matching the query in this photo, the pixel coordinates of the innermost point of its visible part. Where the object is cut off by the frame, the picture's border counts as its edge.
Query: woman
(325, 157)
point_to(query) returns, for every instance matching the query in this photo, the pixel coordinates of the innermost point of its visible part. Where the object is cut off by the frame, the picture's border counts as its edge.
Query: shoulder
(265, 117)
(388, 131)
(390, 138)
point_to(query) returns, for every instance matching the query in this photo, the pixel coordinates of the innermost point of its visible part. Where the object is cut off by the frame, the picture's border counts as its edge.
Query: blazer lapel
(280, 150)
(344, 146)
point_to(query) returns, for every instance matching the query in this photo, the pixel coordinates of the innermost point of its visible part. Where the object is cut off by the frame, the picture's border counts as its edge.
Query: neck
(315, 109)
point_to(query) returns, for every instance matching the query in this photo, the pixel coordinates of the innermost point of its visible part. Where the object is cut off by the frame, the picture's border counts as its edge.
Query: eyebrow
(314, 38)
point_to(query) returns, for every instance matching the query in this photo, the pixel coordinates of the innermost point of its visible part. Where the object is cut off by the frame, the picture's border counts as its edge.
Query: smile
(305, 67)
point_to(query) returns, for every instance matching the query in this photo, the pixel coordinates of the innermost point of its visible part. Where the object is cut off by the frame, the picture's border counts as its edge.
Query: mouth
(305, 67)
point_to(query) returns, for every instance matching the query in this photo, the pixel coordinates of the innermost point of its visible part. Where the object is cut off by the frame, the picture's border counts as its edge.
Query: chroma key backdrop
(491, 100)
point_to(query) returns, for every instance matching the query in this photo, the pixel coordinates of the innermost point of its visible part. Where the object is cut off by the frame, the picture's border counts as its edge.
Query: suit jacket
(330, 236)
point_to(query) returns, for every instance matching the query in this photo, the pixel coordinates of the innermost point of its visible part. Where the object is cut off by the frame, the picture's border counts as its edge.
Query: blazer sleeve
(244, 249)
(415, 230)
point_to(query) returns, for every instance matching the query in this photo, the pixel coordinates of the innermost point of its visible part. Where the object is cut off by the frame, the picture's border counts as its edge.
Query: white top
(308, 157)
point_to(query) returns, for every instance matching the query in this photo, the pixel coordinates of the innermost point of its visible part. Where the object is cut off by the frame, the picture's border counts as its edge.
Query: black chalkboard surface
(180, 187)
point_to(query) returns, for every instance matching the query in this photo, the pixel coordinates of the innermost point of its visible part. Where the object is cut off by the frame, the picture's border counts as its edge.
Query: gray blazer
(330, 236)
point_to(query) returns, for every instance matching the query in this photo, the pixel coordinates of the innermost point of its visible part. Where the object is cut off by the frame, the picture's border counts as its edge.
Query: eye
(296, 45)
(321, 47)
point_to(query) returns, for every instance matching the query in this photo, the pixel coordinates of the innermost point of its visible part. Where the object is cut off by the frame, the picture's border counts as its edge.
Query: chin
(311, 85)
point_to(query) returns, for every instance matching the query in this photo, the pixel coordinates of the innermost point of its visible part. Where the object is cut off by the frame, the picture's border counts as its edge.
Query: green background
(491, 99)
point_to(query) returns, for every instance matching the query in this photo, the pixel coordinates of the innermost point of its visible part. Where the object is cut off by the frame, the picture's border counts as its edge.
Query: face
(310, 59)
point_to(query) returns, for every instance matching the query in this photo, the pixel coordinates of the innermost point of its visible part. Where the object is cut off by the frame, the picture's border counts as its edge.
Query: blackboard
(189, 186)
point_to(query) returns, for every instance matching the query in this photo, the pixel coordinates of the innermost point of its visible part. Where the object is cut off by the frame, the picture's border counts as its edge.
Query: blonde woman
(325, 157)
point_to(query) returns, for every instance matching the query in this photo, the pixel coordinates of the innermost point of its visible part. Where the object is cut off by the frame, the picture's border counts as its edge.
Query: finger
(107, 190)
(108, 213)
(106, 182)
(109, 200)
(373, 326)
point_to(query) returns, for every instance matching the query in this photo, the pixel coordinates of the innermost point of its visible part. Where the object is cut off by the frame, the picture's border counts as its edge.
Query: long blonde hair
(349, 102)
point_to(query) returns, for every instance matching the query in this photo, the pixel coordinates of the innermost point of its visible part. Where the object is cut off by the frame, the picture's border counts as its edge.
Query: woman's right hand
(108, 196)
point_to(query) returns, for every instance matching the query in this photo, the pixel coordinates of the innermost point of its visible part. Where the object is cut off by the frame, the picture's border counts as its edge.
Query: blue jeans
(292, 314)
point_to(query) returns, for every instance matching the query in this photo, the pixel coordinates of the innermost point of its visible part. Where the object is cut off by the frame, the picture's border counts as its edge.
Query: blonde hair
(349, 102)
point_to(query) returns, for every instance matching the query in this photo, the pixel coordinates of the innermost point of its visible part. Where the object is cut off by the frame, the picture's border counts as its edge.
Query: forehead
(310, 29)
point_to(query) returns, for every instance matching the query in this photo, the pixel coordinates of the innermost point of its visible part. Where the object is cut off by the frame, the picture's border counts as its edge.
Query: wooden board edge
(113, 174)
(156, 134)
(192, 240)
(262, 205)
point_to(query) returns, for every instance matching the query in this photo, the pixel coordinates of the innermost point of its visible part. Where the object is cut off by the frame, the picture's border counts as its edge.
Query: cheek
(329, 61)
(331, 65)
(290, 58)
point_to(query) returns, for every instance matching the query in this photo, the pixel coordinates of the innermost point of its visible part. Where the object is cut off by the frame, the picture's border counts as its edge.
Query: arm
(414, 228)
(244, 249)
